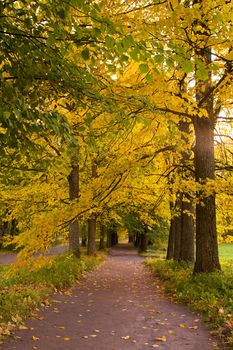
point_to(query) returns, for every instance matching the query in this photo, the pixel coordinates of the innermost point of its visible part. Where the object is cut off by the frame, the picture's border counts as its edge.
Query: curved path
(119, 306)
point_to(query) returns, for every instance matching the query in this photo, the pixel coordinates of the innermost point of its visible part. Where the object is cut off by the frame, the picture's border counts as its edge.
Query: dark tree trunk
(207, 259)
(137, 239)
(187, 233)
(74, 234)
(171, 240)
(102, 237)
(131, 238)
(84, 241)
(91, 248)
(114, 237)
(177, 241)
(143, 242)
(83, 231)
(109, 239)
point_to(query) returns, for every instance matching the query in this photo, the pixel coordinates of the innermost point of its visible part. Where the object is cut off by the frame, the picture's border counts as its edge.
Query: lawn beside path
(118, 306)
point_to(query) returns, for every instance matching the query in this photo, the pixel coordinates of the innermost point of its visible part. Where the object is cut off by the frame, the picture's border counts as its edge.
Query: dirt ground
(119, 306)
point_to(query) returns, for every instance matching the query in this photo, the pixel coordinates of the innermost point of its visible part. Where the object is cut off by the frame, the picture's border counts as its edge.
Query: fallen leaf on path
(126, 337)
(182, 325)
(93, 335)
(68, 292)
(46, 302)
(155, 346)
(163, 338)
(170, 331)
(66, 339)
(193, 327)
(22, 327)
(35, 338)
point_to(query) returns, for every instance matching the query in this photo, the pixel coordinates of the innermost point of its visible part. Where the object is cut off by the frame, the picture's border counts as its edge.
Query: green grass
(25, 289)
(210, 294)
(226, 251)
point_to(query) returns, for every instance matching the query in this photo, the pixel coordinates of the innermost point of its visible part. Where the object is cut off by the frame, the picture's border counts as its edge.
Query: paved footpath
(119, 306)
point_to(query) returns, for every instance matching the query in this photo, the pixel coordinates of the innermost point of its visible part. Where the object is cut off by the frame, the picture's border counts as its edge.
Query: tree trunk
(74, 234)
(102, 237)
(143, 242)
(137, 239)
(131, 238)
(177, 229)
(171, 240)
(187, 233)
(177, 241)
(207, 259)
(91, 248)
(83, 231)
(84, 241)
(109, 239)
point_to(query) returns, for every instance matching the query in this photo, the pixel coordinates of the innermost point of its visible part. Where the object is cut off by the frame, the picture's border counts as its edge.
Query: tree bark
(177, 241)
(207, 259)
(131, 238)
(74, 234)
(109, 239)
(171, 240)
(102, 237)
(91, 248)
(143, 242)
(187, 232)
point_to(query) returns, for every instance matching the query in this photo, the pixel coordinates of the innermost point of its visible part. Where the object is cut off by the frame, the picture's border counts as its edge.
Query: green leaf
(85, 54)
(109, 41)
(159, 58)
(187, 66)
(143, 68)
(149, 79)
(202, 74)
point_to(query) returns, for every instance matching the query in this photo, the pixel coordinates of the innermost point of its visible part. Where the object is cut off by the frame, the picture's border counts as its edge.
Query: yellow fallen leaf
(35, 338)
(163, 338)
(193, 327)
(182, 325)
(66, 339)
(22, 327)
(46, 302)
(170, 331)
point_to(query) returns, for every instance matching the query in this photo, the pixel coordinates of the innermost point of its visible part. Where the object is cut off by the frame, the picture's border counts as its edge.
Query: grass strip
(211, 294)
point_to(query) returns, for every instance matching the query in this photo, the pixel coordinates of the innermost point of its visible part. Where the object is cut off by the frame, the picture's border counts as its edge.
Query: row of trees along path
(118, 306)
